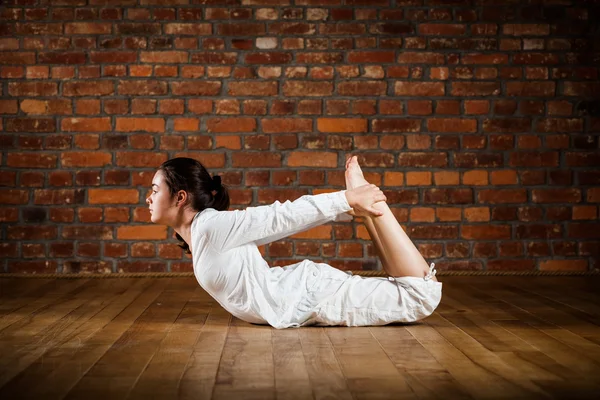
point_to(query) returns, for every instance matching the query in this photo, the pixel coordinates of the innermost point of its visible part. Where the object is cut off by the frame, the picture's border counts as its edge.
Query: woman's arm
(265, 224)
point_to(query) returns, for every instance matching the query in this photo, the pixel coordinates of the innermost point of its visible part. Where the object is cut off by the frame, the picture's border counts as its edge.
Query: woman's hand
(362, 199)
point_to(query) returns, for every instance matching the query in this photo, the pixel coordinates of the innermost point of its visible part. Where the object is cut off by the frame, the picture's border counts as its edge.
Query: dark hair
(183, 173)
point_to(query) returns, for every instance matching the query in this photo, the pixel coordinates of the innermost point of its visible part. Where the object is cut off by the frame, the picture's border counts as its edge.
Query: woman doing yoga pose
(228, 265)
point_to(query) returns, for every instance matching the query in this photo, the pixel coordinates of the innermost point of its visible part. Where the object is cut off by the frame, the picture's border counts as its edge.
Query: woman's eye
(154, 191)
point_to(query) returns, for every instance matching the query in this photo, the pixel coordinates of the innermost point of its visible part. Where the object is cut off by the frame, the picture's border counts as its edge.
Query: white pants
(337, 298)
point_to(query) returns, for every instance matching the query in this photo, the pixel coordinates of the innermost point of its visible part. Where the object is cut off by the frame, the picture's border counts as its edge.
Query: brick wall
(478, 119)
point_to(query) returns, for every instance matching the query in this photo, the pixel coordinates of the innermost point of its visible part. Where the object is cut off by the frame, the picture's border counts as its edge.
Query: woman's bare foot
(354, 175)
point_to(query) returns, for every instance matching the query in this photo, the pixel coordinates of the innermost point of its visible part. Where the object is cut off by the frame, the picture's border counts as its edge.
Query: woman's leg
(400, 256)
(377, 242)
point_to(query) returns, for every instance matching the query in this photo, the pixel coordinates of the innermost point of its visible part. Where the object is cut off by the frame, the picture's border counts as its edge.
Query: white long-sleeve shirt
(229, 266)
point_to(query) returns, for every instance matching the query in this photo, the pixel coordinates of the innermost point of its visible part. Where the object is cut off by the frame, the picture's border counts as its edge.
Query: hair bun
(216, 182)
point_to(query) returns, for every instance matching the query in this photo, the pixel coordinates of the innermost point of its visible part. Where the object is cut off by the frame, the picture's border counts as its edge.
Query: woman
(229, 266)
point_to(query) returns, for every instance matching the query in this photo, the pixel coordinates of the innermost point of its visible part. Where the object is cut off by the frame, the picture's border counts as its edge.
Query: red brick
(195, 29)
(484, 58)
(319, 58)
(564, 265)
(486, 232)
(200, 106)
(32, 88)
(439, 73)
(510, 125)
(252, 88)
(568, 195)
(527, 89)
(421, 58)
(86, 124)
(71, 57)
(342, 125)
(391, 107)
(526, 29)
(142, 232)
(476, 88)
(228, 106)
(55, 107)
(231, 125)
(9, 106)
(457, 125)
(197, 88)
(255, 107)
(535, 58)
(420, 107)
(31, 160)
(385, 28)
(14, 196)
(442, 29)
(171, 106)
(419, 89)
(88, 88)
(477, 106)
(484, 29)
(306, 88)
(142, 87)
(321, 73)
(241, 29)
(139, 159)
(87, 28)
(192, 71)
(60, 196)
(87, 106)
(143, 106)
(362, 88)
(207, 57)
(140, 124)
(272, 57)
(372, 57)
(548, 125)
(256, 159)
(186, 124)
(560, 107)
(312, 159)
(15, 57)
(340, 28)
(396, 125)
(398, 71)
(579, 89)
(286, 125)
(451, 107)
(29, 125)
(416, 159)
(85, 159)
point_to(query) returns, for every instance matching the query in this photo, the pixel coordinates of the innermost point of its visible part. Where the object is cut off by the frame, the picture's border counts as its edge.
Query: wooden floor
(491, 337)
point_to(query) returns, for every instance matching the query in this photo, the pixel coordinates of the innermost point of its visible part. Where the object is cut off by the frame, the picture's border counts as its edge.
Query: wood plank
(486, 359)
(161, 377)
(22, 292)
(200, 375)
(476, 379)
(14, 288)
(564, 298)
(129, 355)
(292, 380)
(368, 370)
(23, 309)
(541, 334)
(491, 337)
(246, 370)
(324, 370)
(30, 343)
(54, 367)
(423, 373)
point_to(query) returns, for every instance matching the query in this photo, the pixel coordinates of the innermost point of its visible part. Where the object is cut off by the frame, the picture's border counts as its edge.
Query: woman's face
(161, 204)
